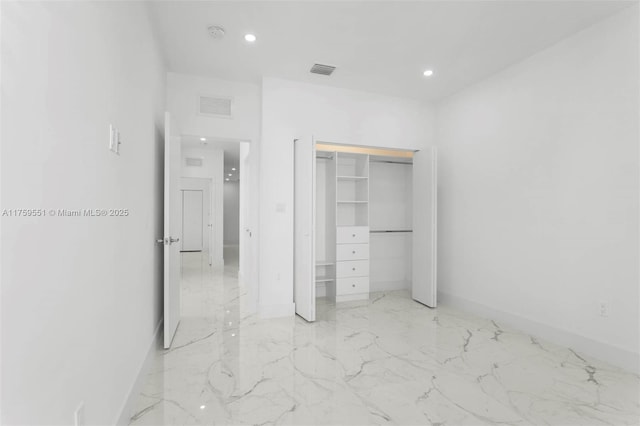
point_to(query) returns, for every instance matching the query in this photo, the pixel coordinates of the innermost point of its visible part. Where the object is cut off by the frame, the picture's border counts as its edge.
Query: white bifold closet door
(425, 172)
(304, 216)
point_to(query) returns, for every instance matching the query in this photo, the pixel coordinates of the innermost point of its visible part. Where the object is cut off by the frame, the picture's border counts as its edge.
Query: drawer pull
(353, 269)
(353, 285)
(354, 252)
(353, 235)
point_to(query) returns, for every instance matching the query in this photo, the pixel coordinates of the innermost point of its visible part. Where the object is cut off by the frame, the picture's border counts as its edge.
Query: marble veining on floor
(389, 360)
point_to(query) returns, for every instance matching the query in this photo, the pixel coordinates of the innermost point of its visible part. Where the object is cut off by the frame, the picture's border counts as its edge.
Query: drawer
(352, 252)
(352, 268)
(352, 234)
(352, 286)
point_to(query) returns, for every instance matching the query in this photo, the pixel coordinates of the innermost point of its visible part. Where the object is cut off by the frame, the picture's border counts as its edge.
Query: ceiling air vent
(322, 69)
(194, 162)
(215, 106)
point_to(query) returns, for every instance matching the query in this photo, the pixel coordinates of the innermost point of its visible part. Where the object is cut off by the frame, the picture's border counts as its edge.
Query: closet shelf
(383, 231)
(352, 202)
(352, 177)
(324, 263)
(324, 279)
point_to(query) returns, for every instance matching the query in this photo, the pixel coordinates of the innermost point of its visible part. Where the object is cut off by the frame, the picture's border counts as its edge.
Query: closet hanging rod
(391, 162)
(383, 231)
(324, 157)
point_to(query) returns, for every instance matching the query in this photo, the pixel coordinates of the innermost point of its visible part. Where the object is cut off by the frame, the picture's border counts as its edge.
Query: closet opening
(361, 236)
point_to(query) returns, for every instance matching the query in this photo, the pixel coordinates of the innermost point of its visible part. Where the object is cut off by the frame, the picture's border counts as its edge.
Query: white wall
(291, 110)
(231, 212)
(538, 198)
(204, 185)
(183, 93)
(212, 169)
(81, 296)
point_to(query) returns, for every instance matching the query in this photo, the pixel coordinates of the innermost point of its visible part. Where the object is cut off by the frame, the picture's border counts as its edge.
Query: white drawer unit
(352, 252)
(347, 286)
(352, 235)
(352, 268)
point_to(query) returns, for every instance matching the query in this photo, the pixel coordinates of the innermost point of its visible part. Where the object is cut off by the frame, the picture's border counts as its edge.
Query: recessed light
(428, 73)
(227, 179)
(250, 38)
(202, 407)
(233, 168)
(203, 139)
(230, 175)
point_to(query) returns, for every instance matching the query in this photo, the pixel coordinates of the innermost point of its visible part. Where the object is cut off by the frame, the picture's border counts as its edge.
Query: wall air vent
(194, 162)
(215, 106)
(322, 69)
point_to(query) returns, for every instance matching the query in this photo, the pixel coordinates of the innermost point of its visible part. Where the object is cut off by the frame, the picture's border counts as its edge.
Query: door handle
(173, 240)
(160, 240)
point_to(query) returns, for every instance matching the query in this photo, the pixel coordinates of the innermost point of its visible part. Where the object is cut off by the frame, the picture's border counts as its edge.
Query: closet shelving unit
(348, 210)
(352, 226)
(325, 223)
(342, 219)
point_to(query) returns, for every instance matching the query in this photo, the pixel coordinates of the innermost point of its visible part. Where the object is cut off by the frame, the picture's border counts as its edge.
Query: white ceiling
(377, 46)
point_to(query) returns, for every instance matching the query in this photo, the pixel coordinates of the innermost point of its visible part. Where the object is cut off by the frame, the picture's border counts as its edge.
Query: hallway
(369, 362)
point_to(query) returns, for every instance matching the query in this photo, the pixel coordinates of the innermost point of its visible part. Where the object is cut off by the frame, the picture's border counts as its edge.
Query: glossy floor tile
(389, 360)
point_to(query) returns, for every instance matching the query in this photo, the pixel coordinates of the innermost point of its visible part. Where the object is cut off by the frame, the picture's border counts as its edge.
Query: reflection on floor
(385, 361)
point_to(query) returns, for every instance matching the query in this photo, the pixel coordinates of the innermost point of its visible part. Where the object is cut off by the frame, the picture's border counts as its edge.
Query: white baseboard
(128, 408)
(613, 355)
(389, 285)
(277, 311)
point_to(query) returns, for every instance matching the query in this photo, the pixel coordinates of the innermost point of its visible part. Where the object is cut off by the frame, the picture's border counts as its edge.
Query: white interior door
(304, 291)
(172, 230)
(425, 172)
(192, 220)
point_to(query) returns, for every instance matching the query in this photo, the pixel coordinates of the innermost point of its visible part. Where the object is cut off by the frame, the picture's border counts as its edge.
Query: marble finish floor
(389, 360)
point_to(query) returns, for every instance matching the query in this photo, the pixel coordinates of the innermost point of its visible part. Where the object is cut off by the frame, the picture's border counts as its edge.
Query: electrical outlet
(78, 415)
(604, 308)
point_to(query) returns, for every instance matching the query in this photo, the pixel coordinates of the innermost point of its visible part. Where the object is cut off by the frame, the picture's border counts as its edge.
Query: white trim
(434, 224)
(128, 407)
(277, 311)
(613, 355)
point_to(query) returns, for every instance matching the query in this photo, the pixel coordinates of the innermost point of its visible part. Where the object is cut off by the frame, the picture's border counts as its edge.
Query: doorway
(193, 225)
(218, 237)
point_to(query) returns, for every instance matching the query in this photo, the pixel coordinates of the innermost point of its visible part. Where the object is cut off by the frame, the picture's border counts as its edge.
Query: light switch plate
(116, 142)
(112, 138)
